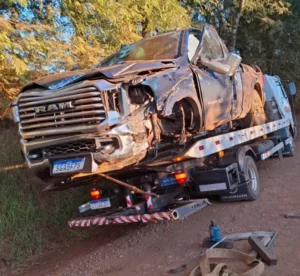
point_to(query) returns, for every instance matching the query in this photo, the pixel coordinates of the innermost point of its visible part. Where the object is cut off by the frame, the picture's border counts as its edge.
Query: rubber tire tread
(252, 195)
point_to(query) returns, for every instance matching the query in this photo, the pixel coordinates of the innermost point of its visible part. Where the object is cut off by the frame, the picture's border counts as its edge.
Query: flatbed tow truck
(175, 186)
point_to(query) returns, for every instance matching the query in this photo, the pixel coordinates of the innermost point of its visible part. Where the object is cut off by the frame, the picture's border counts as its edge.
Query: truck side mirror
(227, 68)
(215, 65)
(292, 88)
(234, 61)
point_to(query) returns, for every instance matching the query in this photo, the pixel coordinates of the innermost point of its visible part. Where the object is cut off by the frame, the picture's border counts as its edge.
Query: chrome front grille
(74, 109)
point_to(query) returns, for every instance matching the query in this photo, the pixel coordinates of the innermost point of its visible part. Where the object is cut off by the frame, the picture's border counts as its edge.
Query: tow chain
(13, 167)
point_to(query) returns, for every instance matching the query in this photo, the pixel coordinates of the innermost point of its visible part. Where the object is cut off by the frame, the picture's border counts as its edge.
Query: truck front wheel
(251, 175)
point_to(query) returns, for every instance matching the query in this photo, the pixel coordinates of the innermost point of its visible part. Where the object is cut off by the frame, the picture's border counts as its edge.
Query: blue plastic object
(214, 229)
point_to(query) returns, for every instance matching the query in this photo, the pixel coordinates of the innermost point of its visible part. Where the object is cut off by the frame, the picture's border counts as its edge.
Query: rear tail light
(181, 177)
(95, 193)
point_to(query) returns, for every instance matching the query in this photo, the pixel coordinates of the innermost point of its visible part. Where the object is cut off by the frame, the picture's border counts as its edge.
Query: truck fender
(241, 153)
(194, 103)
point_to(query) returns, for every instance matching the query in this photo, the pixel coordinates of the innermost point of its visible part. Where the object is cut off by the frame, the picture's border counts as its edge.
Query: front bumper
(123, 150)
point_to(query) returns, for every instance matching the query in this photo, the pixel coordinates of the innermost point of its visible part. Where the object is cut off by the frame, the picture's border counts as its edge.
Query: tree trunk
(269, 58)
(144, 27)
(220, 18)
(236, 25)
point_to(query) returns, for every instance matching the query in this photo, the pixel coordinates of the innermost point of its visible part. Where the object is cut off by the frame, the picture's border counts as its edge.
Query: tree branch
(236, 25)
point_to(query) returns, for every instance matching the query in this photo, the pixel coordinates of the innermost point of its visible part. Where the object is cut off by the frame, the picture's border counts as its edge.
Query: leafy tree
(230, 15)
(39, 37)
(27, 40)
(114, 23)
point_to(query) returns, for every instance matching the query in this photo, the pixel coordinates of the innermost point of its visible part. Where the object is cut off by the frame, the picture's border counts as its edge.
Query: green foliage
(41, 37)
(264, 35)
(28, 218)
(268, 32)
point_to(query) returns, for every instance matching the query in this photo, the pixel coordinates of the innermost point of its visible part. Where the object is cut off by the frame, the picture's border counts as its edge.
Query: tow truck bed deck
(221, 165)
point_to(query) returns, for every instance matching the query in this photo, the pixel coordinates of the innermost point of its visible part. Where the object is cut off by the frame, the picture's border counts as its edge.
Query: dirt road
(154, 249)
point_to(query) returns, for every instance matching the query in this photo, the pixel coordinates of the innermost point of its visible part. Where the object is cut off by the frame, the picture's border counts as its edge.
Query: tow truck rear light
(181, 177)
(95, 193)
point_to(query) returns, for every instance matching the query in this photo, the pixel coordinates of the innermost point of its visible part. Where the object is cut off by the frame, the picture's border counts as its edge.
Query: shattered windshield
(166, 46)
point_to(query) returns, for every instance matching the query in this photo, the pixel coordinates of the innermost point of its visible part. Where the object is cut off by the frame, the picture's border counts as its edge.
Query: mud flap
(238, 194)
(248, 187)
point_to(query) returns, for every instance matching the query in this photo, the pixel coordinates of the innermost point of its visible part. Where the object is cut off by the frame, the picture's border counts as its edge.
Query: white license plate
(100, 204)
(72, 165)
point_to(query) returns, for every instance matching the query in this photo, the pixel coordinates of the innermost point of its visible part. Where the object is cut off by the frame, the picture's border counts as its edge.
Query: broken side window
(211, 47)
(193, 44)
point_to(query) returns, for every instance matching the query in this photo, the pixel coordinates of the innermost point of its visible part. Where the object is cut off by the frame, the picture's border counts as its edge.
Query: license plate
(72, 165)
(167, 181)
(100, 203)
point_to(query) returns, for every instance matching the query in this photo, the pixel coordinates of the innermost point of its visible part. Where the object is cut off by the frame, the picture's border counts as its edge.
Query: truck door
(216, 89)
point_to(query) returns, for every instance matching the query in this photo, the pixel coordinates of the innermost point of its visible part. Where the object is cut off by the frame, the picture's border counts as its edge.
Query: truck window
(282, 91)
(211, 47)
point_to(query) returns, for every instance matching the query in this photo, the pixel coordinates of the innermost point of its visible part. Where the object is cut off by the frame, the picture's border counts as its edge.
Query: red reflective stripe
(133, 218)
(217, 142)
(128, 201)
(118, 220)
(166, 215)
(149, 202)
(157, 216)
(95, 221)
(146, 218)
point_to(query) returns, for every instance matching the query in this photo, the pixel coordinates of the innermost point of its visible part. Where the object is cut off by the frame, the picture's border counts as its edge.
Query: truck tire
(290, 150)
(257, 115)
(251, 174)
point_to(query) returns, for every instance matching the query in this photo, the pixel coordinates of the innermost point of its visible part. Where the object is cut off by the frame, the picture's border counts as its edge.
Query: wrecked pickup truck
(159, 92)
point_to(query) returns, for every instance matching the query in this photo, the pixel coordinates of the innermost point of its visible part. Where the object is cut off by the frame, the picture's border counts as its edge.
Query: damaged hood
(119, 71)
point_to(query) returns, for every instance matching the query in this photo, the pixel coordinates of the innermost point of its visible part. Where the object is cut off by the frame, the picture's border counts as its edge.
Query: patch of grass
(30, 220)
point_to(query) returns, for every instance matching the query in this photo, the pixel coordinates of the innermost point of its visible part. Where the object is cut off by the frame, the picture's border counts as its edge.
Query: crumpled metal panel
(250, 78)
(171, 86)
(117, 71)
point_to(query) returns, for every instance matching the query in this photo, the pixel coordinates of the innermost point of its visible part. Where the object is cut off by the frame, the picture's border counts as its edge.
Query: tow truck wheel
(290, 149)
(257, 115)
(251, 174)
